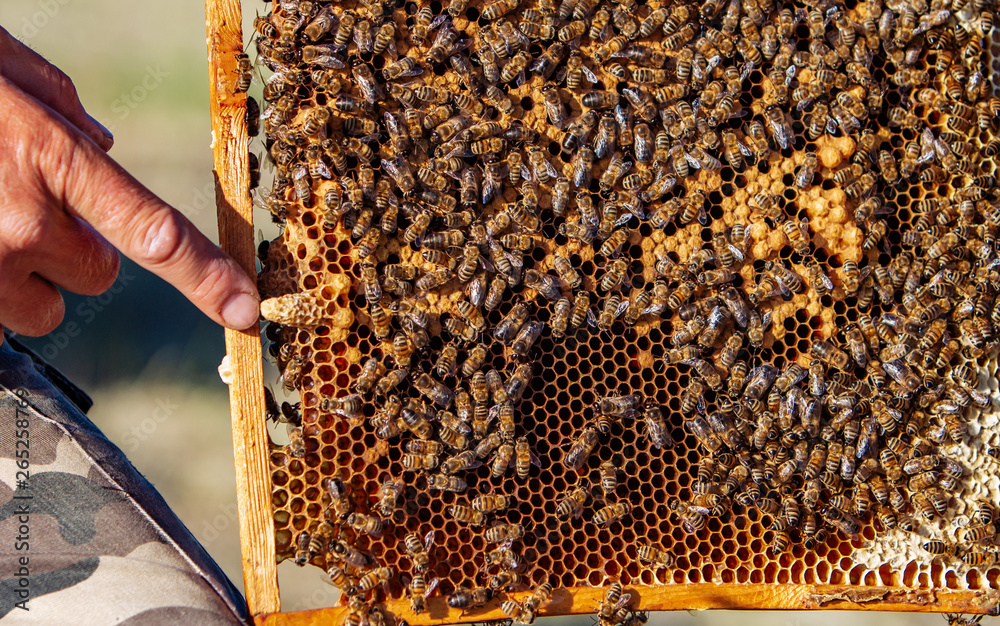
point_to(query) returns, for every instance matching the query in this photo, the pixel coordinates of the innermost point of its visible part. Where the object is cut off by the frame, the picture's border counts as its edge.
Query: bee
(612, 513)
(757, 141)
(581, 309)
(502, 460)
(367, 524)
(614, 599)
(504, 533)
(975, 534)
(419, 549)
(692, 519)
(807, 170)
(938, 547)
(465, 598)
(614, 274)
(490, 503)
(976, 558)
(559, 321)
(466, 515)
(768, 207)
(244, 73)
(581, 448)
(572, 503)
(983, 513)
(369, 581)
(657, 432)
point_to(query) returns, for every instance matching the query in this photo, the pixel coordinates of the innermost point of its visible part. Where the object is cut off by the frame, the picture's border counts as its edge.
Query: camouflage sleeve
(84, 538)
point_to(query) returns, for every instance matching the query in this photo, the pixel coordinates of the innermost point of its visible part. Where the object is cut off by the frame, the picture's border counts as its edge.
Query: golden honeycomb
(921, 63)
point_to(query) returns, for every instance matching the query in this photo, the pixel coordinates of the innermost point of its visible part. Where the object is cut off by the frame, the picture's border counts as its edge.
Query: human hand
(65, 206)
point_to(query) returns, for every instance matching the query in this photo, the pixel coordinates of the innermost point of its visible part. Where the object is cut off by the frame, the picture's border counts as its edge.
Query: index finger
(147, 230)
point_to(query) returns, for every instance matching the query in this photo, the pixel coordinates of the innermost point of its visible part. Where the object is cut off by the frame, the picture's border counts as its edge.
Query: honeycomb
(863, 169)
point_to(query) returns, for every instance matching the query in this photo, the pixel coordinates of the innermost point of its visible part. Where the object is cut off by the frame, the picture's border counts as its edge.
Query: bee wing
(653, 309)
(431, 586)
(515, 259)
(525, 172)
(747, 152)
(693, 162)
(460, 150)
(589, 75)
(604, 35)
(439, 20)
(269, 109)
(591, 318)
(621, 309)
(804, 103)
(765, 321)
(790, 74)
(826, 281)
(550, 169)
(476, 290)
(736, 252)
(391, 50)
(625, 600)
(490, 189)
(323, 170)
(413, 71)
(329, 62)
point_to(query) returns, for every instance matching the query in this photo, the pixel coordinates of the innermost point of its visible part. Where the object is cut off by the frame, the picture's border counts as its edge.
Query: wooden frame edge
(246, 394)
(694, 596)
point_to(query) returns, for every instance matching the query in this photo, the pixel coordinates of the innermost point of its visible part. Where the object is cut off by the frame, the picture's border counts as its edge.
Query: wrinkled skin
(65, 207)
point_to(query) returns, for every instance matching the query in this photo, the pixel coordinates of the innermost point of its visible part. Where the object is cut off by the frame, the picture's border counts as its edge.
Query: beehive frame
(251, 444)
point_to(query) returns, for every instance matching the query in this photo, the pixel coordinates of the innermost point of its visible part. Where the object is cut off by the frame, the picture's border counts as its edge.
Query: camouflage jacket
(84, 538)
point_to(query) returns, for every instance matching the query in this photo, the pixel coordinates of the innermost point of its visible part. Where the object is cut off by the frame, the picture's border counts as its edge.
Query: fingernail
(108, 137)
(241, 311)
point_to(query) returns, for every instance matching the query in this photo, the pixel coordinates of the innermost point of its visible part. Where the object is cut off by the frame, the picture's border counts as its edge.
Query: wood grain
(693, 596)
(246, 392)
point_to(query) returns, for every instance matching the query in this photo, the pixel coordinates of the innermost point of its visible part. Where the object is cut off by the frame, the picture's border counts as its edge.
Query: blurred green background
(147, 356)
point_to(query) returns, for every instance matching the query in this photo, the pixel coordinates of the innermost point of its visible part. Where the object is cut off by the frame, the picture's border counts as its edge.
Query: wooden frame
(250, 438)
(232, 196)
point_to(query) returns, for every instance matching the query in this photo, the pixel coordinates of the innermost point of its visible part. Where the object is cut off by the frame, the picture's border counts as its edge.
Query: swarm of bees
(526, 182)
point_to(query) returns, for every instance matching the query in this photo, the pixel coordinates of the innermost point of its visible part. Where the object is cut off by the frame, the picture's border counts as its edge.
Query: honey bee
(657, 432)
(612, 513)
(466, 515)
(367, 524)
(976, 558)
(302, 551)
(419, 549)
(465, 598)
(504, 533)
(572, 503)
(976, 534)
(581, 448)
(490, 503)
(502, 460)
